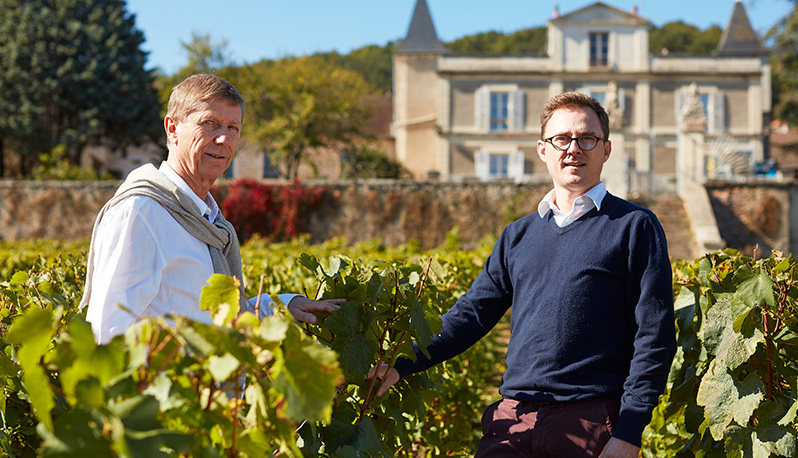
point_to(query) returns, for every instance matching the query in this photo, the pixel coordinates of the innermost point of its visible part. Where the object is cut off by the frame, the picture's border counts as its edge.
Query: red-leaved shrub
(275, 211)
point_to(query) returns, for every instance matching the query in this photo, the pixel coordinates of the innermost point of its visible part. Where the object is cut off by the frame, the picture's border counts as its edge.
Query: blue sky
(270, 29)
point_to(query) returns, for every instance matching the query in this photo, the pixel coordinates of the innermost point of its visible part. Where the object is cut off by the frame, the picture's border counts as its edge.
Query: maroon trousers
(512, 428)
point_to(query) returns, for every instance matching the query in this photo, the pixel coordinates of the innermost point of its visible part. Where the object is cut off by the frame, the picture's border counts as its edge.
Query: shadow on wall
(748, 225)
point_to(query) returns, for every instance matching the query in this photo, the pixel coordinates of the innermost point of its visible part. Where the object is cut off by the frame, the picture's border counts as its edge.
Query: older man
(161, 236)
(589, 282)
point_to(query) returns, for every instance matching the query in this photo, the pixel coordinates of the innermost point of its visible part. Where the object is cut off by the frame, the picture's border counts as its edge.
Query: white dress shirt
(147, 262)
(582, 204)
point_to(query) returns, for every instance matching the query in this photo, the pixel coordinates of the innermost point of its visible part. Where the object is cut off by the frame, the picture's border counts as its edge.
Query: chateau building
(673, 117)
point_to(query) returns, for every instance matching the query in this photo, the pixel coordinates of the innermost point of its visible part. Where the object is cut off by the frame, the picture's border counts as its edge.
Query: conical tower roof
(421, 37)
(739, 38)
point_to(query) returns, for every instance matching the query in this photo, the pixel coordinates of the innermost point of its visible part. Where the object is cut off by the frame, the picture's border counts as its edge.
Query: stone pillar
(691, 174)
(616, 170)
(692, 139)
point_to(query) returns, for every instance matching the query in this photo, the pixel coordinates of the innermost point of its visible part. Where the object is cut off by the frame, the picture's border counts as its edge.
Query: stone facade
(476, 117)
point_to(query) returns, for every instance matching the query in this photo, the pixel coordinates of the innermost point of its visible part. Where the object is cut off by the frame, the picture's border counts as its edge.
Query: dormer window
(599, 44)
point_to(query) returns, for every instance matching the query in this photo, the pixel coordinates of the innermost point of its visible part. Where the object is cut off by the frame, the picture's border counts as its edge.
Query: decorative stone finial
(692, 117)
(613, 106)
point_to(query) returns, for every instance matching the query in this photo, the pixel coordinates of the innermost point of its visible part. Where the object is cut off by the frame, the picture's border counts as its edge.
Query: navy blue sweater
(592, 311)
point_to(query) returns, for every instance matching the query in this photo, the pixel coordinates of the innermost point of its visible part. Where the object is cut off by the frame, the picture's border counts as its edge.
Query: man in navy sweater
(589, 282)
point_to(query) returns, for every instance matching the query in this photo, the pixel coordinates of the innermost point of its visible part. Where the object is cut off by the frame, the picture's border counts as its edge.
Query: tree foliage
(523, 42)
(203, 55)
(72, 72)
(374, 63)
(296, 104)
(783, 39)
(680, 38)
(368, 162)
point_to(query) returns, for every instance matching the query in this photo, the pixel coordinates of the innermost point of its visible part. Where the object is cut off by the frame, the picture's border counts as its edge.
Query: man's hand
(617, 448)
(303, 308)
(387, 374)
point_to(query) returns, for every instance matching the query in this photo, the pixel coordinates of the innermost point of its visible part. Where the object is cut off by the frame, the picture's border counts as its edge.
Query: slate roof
(738, 38)
(421, 36)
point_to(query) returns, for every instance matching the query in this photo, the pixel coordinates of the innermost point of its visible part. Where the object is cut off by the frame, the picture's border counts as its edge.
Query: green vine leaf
(770, 439)
(33, 332)
(221, 297)
(308, 379)
(753, 290)
(725, 399)
(222, 367)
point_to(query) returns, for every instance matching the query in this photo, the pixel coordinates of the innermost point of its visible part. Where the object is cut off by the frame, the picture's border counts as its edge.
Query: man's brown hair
(200, 88)
(574, 100)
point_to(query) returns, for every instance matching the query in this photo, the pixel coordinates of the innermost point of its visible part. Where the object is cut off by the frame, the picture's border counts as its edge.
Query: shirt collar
(207, 207)
(596, 194)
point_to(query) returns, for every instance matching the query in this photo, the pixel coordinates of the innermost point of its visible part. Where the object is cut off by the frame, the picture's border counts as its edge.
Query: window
(501, 163)
(498, 111)
(499, 108)
(498, 165)
(704, 98)
(599, 44)
(269, 171)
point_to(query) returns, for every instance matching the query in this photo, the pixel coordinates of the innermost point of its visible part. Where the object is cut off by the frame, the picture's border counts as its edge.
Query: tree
(369, 162)
(204, 56)
(783, 39)
(71, 73)
(374, 63)
(527, 41)
(297, 104)
(680, 38)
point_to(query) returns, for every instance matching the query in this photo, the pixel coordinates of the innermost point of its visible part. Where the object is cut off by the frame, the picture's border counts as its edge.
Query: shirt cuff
(267, 304)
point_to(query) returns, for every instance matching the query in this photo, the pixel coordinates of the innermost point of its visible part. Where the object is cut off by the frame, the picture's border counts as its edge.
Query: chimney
(634, 10)
(556, 12)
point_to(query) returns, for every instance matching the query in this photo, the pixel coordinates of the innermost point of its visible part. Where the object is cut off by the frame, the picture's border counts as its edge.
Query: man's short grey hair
(202, 88)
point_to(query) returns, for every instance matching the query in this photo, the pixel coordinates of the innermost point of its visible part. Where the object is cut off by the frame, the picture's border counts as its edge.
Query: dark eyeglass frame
(571, 140)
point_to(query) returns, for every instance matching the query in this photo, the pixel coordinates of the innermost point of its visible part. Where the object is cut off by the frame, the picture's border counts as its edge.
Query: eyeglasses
(562, 142)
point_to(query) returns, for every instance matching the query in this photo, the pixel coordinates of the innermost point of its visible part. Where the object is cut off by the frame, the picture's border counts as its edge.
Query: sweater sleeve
(471, 317)
(651, 312)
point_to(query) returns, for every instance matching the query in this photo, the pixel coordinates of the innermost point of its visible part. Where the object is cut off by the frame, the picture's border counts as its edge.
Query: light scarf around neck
(220, 235)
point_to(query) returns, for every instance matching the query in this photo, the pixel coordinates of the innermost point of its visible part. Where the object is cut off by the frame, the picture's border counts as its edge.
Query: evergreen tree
(72, 73)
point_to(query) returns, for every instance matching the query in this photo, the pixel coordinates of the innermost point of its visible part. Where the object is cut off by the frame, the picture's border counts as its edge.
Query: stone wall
(396, 211)
(405, 210)
(51, 209)
(756, 216)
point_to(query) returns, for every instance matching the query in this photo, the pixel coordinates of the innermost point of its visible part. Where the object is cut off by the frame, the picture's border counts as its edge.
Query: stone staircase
(672, 215)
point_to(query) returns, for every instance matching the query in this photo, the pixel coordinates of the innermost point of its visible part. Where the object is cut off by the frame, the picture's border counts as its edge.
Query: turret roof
(739, 38)
(421, 36)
